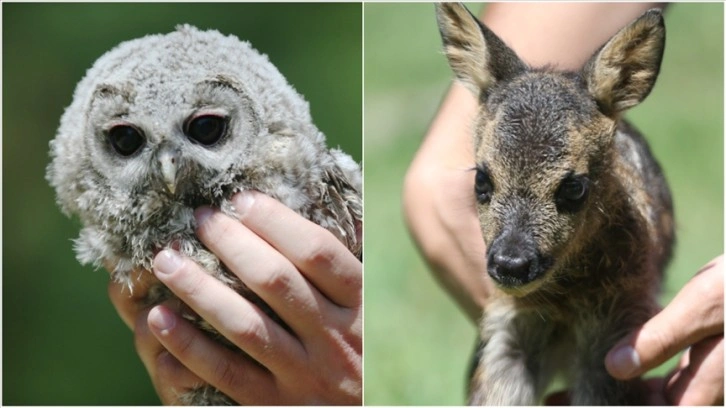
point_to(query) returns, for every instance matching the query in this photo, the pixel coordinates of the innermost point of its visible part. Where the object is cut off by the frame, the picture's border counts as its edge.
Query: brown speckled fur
(574, 210)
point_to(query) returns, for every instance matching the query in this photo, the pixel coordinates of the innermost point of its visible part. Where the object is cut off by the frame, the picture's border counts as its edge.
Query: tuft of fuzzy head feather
(175, 59)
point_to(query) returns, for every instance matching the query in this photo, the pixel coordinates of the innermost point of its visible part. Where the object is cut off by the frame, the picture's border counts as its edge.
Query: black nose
(513, 259)
(516, 266)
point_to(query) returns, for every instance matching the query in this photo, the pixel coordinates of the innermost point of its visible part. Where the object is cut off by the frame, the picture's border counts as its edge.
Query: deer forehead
(541, 122)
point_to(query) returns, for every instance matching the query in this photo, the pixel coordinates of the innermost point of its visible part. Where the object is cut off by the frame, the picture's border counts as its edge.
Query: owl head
(172, 114)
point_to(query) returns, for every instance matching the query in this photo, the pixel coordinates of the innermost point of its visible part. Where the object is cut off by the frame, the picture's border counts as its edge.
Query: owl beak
(168, 160)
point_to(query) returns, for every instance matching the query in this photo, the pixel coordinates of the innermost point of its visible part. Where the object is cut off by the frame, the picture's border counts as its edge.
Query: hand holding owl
(312, 279)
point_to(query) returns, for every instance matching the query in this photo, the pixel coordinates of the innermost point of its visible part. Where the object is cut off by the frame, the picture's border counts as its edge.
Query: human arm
(438, 190)
(311, 280)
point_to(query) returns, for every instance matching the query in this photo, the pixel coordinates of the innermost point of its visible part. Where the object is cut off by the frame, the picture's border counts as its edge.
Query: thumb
(696, 312)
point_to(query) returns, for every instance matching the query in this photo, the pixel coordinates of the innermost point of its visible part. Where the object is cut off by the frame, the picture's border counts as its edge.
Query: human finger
(674, 328)
(216, 364)
(653, 387)
(324, 260)
(169, 376)
(123, 303)
(265, 271)
(128, 303)
(700, 382)
(236, 318)
(172, 379)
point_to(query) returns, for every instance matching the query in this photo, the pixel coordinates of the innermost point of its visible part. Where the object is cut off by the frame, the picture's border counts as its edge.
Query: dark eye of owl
(206, 129)
(572, 193)
(126, 140)
(483, 186)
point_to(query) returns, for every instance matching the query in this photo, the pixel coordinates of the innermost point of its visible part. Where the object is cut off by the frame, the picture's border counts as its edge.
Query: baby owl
(166, 123)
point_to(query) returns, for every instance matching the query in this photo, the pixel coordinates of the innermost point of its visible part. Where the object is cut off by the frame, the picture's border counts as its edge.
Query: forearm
(439, 203)
(563, 35)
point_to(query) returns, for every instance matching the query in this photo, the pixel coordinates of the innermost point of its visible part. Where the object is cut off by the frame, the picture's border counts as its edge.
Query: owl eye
(207, 129)
(126, 140)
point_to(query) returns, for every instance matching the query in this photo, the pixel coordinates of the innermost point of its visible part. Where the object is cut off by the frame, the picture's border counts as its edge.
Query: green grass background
(417, 343)
(63, 343)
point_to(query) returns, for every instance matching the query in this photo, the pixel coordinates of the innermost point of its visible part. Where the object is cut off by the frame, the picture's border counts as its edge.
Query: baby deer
(574, 210)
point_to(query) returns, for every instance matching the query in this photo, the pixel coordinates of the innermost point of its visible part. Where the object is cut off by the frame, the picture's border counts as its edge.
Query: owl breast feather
(128, 234)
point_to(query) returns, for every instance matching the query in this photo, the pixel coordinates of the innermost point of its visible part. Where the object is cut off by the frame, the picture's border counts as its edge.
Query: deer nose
(513, 259)
(512, 265)
(509, 267)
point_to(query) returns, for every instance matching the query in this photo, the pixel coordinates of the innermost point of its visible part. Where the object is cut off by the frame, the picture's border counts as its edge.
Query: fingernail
(243, 201)
(623, 361)
(167, 261)
(161, 319)
(202, 214)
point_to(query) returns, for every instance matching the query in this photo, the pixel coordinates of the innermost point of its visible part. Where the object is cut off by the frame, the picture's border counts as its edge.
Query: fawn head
(543, 140)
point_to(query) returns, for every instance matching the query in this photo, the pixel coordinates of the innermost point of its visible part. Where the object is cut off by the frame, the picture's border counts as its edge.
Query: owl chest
(154, 221)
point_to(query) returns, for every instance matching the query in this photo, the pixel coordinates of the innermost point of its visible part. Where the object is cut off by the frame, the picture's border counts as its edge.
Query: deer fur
(574, 210)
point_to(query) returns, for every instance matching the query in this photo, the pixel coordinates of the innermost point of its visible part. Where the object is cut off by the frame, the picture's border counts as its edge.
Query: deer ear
(476, 55)
(623, 71)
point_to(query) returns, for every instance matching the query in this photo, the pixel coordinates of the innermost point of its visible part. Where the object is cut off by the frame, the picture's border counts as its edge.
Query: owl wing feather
(342, 204)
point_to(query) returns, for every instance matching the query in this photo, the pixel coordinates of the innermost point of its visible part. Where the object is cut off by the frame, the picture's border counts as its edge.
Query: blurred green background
(63, 343)
(417, 343)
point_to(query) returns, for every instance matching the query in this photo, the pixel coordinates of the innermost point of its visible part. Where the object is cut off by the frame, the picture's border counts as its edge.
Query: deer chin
(523, 284)
(523, 290)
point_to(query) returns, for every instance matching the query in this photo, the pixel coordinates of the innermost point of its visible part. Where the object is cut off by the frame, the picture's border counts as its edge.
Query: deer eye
(572, 193)
(483, 186)
(206, 129)
(125, 140)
